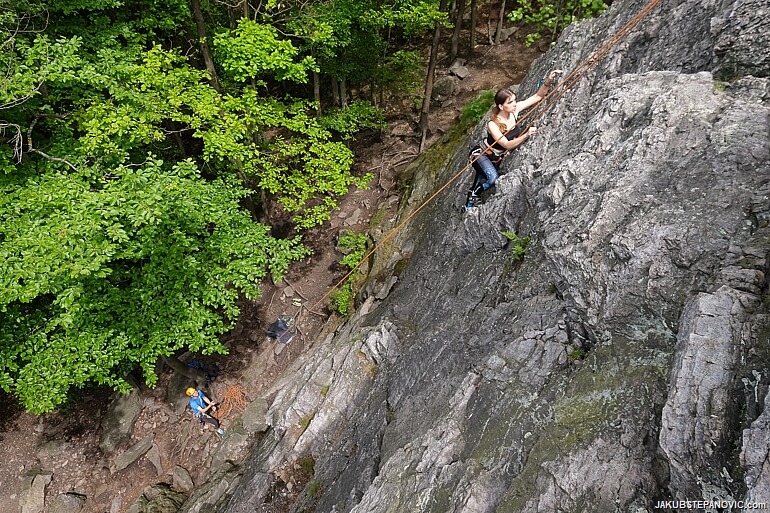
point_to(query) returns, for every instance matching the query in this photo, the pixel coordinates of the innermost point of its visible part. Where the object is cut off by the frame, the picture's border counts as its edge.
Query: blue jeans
(487, 170)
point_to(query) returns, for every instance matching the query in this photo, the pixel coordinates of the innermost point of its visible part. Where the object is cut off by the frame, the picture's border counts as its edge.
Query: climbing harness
(533, 114)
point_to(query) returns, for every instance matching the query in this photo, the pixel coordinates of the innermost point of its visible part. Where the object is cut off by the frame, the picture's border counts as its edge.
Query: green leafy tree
(112, 256)
(550, 17)
(122, 172)
(358, 42)
(100, 276)
(256, 49)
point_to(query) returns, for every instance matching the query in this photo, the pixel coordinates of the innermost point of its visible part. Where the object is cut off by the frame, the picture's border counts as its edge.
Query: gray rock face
(754, 459)
(240, 435)
(622, 361)
(742, 45)
(698, 416)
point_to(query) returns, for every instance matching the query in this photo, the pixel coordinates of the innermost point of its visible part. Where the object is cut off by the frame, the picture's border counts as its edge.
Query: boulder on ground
(69, 502)
(182, 480)
(34, 483)
(159, 498)
(134, 452)
(459, 69)
(443, 88)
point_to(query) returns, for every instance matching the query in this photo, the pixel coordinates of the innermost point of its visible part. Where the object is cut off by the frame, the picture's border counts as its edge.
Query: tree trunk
(197, 376)
(474, 16)
(425, 110)
(489, 28)
(317, 91)
(373, 93)
(233, 15)
(455, 45)
(335, 91)
(207, 60)
(343, 93)
(500, 18)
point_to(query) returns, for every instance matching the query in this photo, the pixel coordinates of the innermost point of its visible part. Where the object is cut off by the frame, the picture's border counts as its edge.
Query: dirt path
(67, 442)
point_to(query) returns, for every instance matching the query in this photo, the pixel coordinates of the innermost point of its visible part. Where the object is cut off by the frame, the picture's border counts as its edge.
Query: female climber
(502, 136)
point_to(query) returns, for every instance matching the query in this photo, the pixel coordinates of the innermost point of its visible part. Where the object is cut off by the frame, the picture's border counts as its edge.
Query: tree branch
(32, 149)
(16, 141)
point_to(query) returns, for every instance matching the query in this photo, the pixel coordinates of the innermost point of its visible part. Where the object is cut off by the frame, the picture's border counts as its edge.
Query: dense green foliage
(140, 167)
(549, 17)
(101, 276)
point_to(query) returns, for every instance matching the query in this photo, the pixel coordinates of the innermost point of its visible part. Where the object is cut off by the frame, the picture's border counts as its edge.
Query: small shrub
(342, 298)
(307, 464)
(314, 489)
(474, 110)
(519, 245)
(353, 245)
(354, 118)
(304, 422)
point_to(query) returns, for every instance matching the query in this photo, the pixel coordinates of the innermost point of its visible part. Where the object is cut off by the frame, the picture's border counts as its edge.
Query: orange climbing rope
(534, 113)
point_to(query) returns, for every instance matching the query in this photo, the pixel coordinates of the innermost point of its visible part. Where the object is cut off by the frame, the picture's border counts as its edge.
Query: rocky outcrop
(158, 499)
(117, 423)
(699, 416)
(623, 360)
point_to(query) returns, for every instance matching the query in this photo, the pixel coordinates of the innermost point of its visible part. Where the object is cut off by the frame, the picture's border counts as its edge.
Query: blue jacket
(197, 404)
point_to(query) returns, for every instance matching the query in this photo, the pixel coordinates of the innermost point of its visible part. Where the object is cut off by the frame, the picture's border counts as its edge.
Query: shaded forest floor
(67, 442)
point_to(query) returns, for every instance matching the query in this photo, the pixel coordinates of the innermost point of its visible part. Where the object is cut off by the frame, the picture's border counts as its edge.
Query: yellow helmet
(190, 391)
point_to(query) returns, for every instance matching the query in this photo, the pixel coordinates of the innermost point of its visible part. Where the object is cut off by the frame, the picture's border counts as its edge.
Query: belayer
(502, 136)
(200, 406)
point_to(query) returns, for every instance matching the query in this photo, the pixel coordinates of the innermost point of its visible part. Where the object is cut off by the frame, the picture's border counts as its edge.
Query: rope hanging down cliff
(533, 114)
